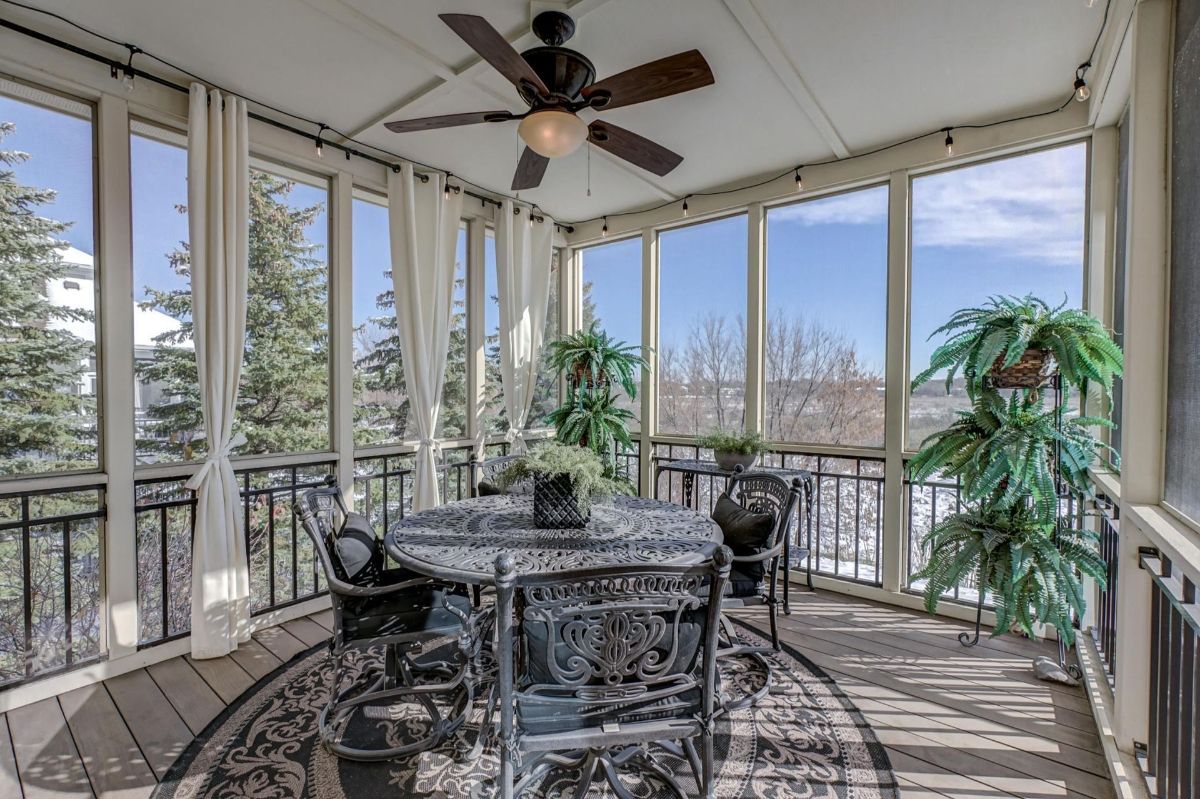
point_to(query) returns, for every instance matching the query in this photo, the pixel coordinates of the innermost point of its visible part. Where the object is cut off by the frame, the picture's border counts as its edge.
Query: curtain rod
(115, 65)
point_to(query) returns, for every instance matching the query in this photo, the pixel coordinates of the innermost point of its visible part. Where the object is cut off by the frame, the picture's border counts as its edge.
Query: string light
(1082, 92)
(127, 80)
(321, 144)
(446, 190)
(949, 142)
(604, 230)
(685, 207)
(799, 180)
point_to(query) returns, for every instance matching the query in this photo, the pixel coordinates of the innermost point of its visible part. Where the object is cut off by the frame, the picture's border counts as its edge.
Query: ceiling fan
(556, 82)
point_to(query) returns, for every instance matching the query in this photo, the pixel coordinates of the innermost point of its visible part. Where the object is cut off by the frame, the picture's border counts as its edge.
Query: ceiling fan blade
(493, 48)
(530, 170)
(446, 121)
(635, 149)
(677, 73)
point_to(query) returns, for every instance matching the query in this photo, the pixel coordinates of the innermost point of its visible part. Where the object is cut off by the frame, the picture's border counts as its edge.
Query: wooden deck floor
(960, 723)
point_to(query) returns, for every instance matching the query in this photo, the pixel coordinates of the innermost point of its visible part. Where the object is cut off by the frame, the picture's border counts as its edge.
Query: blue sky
(1012, 226)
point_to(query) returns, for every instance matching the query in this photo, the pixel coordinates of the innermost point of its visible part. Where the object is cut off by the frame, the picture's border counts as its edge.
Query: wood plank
(995, 705)
(324, 618)
(255, 659)
(113, 760)
(10, 780)
(47, 760)
(908, 634)
(161, 734)
(227, 679)
(307, 631)
(280, 643)
(195, 702)
(961, 668)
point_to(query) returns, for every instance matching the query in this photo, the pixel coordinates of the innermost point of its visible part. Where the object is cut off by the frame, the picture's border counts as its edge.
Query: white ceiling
(796, 81)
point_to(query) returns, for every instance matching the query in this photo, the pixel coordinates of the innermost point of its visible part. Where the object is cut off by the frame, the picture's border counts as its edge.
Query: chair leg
(708, 786)
(772, 609)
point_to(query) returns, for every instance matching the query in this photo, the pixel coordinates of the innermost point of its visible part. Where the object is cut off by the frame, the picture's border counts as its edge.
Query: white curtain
(523, 253)
(219, 235)
(424, 225)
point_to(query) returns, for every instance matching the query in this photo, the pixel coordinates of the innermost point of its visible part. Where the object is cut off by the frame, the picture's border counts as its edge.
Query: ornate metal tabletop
(462, 539)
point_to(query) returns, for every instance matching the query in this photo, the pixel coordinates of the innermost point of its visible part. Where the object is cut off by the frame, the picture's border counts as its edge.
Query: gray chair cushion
(488, 489)
(357, 551)
(412, 610)
(745, 532)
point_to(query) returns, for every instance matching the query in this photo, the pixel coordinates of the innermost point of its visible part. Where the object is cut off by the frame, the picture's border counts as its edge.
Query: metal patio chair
(754, 578)
(486, 472)
(611, 660)
(403, 613)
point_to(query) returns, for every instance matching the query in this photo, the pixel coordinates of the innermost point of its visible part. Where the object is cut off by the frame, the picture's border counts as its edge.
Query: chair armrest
(758, 557)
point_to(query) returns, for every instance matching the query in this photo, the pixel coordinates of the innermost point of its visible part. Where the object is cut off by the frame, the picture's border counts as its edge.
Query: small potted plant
(732, 449)
(591, 358)
(566, 482)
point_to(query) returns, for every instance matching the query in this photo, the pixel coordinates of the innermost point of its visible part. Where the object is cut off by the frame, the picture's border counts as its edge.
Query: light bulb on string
(949, 143)
(685, 206)
(799, 181)
(1082, 92)
(604, 229)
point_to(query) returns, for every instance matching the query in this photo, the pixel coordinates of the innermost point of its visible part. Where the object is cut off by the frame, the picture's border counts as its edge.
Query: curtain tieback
(516, 441)
(435, 446)
(214, 461)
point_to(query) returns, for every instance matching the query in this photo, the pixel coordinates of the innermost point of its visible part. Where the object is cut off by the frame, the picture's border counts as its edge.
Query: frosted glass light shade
(552, 133)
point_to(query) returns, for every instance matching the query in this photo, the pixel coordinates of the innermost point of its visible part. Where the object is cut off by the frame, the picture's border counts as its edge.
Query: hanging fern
(1003, 452)
(590, 418)
(1014, 556)
(1005, 327)
(596, 356)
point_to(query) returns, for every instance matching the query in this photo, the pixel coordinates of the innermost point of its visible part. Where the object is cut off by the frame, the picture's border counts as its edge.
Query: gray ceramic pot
(730, 460)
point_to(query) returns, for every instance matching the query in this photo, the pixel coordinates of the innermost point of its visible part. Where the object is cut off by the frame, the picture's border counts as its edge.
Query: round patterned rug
(806, 739)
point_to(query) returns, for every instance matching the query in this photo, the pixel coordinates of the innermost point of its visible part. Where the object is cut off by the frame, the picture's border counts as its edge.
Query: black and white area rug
(806, 739)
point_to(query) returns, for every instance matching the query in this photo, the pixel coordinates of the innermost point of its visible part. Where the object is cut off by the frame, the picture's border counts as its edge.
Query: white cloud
(1030, 207)
(853, 208)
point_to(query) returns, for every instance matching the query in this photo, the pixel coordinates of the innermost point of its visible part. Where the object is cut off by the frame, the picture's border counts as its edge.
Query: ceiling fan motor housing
(564, 71)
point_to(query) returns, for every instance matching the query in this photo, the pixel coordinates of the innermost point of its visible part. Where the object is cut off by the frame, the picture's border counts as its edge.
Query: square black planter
(554, 504)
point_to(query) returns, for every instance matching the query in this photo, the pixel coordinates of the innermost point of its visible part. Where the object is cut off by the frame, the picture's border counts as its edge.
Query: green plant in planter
(590, 418)
(733, 447)
(1004, 452)
(1005, 327)
(592, 358)
(589, 478)
(1015, 557)
(1007, 454)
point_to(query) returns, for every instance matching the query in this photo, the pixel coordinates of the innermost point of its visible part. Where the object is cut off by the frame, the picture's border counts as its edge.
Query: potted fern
(1014, 458)
(567, 480)
(590, 358)
(1018, 342)
(591, 418)
(733, 449)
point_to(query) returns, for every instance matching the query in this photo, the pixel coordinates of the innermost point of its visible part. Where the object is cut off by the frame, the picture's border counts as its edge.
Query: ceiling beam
(1112, 38)
(750, 18)
(520, 40)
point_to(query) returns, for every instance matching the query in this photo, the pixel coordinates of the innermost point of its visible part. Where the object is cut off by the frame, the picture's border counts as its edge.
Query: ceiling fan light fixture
(552, 132)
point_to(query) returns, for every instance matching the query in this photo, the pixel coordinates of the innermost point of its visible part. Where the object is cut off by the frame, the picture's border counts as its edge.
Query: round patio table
(461, 540)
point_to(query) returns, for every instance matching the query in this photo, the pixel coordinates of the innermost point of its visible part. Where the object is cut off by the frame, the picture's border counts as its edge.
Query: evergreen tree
(283, 399)
(45, 421)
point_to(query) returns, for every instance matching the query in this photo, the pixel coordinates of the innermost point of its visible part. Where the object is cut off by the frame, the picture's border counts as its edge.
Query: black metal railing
(383, 483)
(847, 506)
(165, 519)
(629, 464)
(1105, 629)
(50, 577)
(283, 567)
(1172, 757)
(927, 504)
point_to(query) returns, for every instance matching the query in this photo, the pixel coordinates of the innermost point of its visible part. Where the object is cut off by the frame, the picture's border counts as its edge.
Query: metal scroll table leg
(787, 572)
(689, 483)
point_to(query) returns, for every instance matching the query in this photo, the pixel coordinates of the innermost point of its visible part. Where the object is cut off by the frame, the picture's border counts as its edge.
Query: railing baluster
(66, 544)
(27, 577)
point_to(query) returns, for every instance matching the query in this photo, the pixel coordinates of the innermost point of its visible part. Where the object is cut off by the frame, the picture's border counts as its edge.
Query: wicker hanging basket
(581, 376)
(554, 504)
(1033, 370)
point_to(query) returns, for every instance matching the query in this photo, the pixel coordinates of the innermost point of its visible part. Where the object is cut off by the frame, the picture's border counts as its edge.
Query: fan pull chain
(589, 169)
